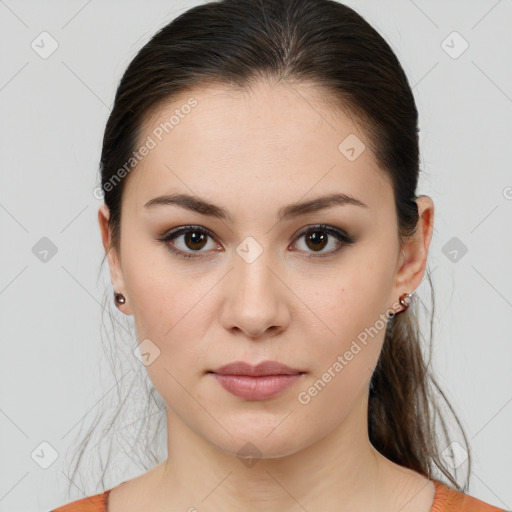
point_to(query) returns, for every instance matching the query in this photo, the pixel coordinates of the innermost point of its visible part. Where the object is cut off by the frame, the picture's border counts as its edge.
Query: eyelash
(342, 238)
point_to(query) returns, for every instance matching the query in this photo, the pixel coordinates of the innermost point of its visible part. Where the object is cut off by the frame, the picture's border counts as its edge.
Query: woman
(261, 224)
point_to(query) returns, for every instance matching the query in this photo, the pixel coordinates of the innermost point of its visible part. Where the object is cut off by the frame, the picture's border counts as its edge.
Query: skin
(253, 153)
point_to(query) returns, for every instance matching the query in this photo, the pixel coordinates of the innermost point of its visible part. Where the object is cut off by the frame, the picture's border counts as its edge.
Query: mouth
(259, 382)
(261, 369)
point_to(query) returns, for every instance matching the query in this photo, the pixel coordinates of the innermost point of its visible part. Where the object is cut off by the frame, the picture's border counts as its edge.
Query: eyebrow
(198, 205)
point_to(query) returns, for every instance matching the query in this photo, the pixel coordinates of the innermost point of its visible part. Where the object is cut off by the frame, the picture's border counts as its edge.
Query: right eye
(194, 238)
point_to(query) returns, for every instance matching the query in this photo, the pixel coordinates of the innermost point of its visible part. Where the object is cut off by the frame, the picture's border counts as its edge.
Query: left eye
(195, 238)
(317, 237)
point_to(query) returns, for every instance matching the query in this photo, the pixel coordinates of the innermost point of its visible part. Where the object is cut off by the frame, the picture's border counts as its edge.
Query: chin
(252, 442)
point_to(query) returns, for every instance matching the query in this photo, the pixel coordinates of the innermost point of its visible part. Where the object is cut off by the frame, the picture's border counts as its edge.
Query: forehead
(261, 140)
(278, 114)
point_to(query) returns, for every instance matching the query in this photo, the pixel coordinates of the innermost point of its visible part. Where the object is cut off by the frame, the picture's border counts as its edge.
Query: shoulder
(96, 503)
(450, 500)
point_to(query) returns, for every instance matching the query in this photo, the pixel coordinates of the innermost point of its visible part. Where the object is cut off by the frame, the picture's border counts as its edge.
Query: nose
(255, 299)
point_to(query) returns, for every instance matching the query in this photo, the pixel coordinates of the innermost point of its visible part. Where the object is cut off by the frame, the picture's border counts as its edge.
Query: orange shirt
(446, 499)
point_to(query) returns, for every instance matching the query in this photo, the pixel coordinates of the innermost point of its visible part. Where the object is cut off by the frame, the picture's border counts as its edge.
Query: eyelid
(332, 230)
(343, 239)
(174, 233)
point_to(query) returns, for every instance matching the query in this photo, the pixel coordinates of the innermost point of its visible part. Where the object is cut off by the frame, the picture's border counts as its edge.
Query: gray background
(53, 113)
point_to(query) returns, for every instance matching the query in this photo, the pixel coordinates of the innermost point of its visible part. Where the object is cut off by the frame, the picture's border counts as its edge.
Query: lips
(259, 382)
(263, 368)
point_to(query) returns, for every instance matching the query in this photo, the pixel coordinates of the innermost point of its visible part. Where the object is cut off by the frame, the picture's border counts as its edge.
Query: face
(266, 280)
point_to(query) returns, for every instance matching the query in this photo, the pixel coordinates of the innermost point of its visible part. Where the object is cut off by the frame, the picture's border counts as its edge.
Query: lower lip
(256, 388)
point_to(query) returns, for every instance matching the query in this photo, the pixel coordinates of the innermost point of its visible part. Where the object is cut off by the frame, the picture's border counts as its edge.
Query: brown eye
(316, 240)
(195, 240)
(318, 237)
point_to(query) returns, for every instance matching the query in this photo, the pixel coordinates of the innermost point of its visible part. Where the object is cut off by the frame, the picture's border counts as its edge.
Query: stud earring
(119, 298)
(405, 300)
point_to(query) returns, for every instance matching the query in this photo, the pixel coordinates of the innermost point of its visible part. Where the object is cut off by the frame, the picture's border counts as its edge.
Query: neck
(341, 471)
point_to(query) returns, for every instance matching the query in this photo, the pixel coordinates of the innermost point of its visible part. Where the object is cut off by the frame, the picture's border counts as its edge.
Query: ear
(114, 260)
(412, 259)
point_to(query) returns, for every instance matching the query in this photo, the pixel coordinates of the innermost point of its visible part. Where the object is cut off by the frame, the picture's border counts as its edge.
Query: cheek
(351, 311)
(169, 312)
(170, 308)
(166, 309)
(157, 291)
(351, 302)
(342, 362)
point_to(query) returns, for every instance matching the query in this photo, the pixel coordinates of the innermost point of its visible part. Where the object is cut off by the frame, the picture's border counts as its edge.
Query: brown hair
(238, 42)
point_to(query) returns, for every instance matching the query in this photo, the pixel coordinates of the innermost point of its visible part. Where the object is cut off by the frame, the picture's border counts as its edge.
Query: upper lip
(263, 368)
